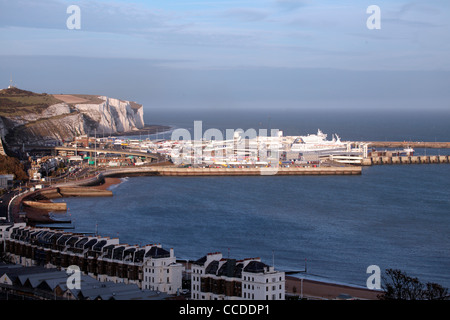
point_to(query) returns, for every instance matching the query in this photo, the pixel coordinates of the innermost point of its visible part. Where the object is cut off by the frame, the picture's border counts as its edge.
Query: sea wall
(175, 171)
(51, 206)
(405, 160)
(405, 144)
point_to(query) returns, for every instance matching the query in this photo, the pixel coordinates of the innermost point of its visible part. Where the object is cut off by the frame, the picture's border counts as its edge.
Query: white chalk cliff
(64, 121)
(113, 115)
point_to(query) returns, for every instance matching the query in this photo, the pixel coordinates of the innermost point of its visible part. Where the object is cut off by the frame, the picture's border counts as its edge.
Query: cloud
(229, 33)
(292, 4)
(411, 23)
(96, 16)
(417, 7)
(247, 14)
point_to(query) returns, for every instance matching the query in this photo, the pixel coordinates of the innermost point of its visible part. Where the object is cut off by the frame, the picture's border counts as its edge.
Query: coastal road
(4, 202)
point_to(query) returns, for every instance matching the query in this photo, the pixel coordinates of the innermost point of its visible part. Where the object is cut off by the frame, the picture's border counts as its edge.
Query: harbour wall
(51, 206)
(405, 144)
(405, 160)
(283, 171)
(61, 192)
(41, 200)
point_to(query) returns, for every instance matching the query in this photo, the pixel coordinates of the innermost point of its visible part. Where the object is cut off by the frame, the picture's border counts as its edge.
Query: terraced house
(103, 258)
(216, 278)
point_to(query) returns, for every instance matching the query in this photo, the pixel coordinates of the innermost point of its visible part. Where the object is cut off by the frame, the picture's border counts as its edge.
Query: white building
(262, 282)
(216, 278)
(161, 272)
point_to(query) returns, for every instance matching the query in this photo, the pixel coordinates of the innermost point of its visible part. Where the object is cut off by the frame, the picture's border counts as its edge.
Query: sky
(232, 54)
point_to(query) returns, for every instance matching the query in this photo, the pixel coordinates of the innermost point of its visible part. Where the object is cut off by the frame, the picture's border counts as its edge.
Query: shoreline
(314, 289)
(108, 182)
(36, 215)
(318, 289)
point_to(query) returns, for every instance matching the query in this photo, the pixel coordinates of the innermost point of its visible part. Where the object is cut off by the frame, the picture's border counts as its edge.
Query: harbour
(226, 151)
(220, 204)
(383, 217)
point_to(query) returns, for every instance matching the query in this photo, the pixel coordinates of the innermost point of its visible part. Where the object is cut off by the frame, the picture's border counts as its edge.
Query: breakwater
(46, 205)
(405, 144)
(374, 160)
(61, 192)
(35, 206)
(281, 171)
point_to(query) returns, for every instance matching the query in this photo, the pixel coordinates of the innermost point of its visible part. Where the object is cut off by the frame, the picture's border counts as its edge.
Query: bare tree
(397, 285)
(435, 291)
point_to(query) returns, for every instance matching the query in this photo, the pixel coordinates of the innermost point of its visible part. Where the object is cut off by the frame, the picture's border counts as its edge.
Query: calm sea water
(395, 216)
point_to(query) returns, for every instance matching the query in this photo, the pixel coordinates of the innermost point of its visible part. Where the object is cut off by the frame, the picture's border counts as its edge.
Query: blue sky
(175, 45)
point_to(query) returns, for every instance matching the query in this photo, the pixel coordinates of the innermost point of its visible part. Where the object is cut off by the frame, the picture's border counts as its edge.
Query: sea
(328, 228)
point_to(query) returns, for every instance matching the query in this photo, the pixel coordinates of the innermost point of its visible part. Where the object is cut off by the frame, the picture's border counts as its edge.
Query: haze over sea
(393, 216)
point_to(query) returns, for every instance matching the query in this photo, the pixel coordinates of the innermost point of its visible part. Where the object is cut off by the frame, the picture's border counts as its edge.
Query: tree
(397, 285)
(435, 291)
(12, 165)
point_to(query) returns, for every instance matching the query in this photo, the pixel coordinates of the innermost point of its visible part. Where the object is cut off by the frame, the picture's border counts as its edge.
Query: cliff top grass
(73, 99)
(16, 102)
(78, 98)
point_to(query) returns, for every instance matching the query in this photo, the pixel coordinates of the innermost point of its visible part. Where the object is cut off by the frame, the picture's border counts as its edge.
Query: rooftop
(92, 289)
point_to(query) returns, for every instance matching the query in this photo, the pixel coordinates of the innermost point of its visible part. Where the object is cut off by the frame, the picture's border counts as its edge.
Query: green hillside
(15, 102)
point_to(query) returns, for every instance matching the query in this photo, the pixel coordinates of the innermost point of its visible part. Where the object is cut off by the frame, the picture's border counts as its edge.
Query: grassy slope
(16, 102)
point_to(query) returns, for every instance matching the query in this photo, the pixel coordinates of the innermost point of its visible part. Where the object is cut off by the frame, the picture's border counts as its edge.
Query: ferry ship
(317, 142)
